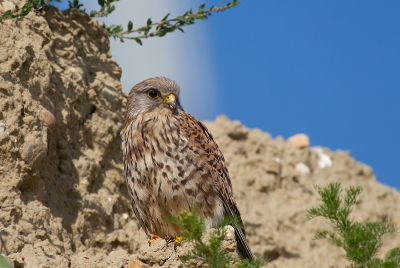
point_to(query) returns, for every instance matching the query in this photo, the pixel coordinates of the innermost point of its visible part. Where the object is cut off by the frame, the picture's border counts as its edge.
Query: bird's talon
(176, 239)
(169, 239)
(151, 238)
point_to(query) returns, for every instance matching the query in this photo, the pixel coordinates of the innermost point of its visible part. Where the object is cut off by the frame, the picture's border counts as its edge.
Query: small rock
(323, 159)
(306, 190)
(33, 150)
(237, 131)
(272, 166)
(234, 129)
(29, 119)
(302, 168)
(74, 74)
(45, 83)
(48, 117)
(2, 127)
(229, 232)
(136, 264)
(300, 140)
(229, 243)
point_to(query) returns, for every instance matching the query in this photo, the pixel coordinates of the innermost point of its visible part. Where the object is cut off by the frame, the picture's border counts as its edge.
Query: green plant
(4, 263)
(75, 4)
(360, 241)
(106, 8)
(160, 28)
(165, 25)
(210, 252)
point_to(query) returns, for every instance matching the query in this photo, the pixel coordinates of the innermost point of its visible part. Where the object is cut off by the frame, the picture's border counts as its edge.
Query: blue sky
(330, 69)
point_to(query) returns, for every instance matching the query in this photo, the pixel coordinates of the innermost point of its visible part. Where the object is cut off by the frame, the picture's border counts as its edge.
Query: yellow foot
(176, 239)
(151, 238)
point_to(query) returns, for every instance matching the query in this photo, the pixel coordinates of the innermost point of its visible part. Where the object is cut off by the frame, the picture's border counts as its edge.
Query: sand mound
(63, 201)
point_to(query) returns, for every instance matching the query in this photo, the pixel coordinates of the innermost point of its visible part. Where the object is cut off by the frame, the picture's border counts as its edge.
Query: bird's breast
(166, 170)
(155, 149)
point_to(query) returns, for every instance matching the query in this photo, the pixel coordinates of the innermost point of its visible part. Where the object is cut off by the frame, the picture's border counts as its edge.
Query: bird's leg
(168, 239)
(176, 239)
(151, 238)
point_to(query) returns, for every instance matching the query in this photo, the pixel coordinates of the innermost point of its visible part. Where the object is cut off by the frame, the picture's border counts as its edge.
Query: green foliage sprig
(75, 4)
(160, 28)
(4, 263)
(360, 241)
(106, 8)
(165, 25)
(17, 13)
(210, 252)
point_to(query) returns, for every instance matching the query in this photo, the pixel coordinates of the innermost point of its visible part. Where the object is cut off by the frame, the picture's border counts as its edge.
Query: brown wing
(199, 138)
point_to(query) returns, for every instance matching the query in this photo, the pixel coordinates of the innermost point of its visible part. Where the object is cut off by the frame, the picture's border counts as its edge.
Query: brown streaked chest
(153, 143)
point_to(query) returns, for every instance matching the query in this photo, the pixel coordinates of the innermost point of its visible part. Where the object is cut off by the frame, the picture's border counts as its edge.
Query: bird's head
(155, 95)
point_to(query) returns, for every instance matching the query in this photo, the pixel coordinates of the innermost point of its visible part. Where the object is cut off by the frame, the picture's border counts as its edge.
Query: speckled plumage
(172, 162)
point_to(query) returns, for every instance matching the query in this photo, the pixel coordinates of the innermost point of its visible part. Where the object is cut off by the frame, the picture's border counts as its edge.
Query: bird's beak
(170, 100)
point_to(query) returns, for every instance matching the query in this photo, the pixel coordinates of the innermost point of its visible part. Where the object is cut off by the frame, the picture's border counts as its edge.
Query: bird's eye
(153, 94)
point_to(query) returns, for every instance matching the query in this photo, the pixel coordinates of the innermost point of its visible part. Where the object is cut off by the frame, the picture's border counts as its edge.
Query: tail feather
(243, 246)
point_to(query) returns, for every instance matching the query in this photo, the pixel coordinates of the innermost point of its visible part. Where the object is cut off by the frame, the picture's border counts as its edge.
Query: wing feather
(200, 138)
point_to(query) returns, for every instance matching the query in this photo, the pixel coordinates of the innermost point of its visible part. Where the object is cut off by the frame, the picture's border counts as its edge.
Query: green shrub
(360, 241)
(210, 252)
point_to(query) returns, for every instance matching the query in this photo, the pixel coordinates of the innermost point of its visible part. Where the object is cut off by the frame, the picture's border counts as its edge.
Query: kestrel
(172, 163)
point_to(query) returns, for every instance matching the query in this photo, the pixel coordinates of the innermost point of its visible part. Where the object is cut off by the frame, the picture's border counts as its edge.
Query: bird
(172, 163)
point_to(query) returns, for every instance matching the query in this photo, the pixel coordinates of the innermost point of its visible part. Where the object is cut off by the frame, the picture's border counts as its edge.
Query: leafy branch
(165, 25)
(106, 8)
(75, 4)
(151, 29)
(360, 241)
